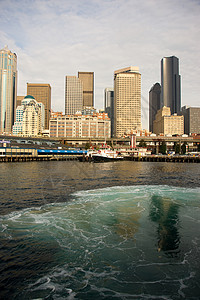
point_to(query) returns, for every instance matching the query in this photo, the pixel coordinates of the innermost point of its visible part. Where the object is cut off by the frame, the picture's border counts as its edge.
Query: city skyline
(81, 37)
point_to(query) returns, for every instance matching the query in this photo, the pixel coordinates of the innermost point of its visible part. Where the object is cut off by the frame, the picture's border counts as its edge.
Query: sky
(53, 39)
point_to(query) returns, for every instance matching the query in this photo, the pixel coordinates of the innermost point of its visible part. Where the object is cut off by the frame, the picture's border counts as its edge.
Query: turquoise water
(119, 242)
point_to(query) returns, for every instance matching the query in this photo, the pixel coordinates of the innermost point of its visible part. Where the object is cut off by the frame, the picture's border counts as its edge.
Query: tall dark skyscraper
(171, 83)
(109, 106)
(154, 103)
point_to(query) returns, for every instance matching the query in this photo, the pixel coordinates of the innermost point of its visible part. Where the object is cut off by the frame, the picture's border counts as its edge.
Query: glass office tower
(171, 83)
(8, 89)
(154, 103)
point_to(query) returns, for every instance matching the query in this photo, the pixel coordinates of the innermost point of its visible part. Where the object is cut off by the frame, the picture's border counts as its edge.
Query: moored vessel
(106, 155)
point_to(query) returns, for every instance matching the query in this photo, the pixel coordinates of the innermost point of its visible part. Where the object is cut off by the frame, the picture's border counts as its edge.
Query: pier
(165, 158)
(147, 158)
(155, 158)
(8, 154)
(37, 158)
(14, 154)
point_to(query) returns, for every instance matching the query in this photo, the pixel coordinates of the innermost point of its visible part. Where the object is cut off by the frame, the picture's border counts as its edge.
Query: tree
(87, 145)
(142, 144)
(163, 148)
(176, 147)
(183, 148)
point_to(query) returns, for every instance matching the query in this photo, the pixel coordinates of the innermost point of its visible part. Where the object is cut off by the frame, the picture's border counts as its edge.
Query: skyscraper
(42, 93)
(87, 79)
(73, 95)
(127, 101)
(154, 103)
(8, 89)
(109, 106)
(171, 83)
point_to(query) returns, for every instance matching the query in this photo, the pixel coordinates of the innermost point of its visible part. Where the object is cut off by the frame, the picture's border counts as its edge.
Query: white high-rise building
(127, 101)
(30, 117)
(8, 89)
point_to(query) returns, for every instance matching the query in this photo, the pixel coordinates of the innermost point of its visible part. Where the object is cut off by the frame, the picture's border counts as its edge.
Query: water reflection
(165, 213)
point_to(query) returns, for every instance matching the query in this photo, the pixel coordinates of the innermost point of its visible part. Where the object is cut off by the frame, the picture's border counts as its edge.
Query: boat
(106, 155)
(88, 155)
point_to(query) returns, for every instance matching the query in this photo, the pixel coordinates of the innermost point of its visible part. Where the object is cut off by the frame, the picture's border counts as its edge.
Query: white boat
(106, 155)
(91, 152)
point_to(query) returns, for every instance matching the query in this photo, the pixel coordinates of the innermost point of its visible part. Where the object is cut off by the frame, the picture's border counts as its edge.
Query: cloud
(55, 39)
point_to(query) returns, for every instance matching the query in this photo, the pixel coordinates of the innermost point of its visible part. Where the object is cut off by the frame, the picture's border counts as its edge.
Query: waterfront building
(96, 126)
(109, 106)
(73, 95)
(168, 124)
(41, 93)
(191, 119)
(127, 101)
(171, 83)
(30, 118)
(87, 78)
(154, 103)
(8, 89)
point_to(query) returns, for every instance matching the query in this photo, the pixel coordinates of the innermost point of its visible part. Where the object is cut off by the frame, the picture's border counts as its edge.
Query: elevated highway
(151, 141)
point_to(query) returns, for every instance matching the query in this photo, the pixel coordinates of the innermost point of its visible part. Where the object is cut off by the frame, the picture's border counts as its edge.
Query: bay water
(117, 230)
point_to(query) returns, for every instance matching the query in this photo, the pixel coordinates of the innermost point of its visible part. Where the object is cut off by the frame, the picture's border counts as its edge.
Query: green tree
(142, 144)
(87, 145)
(163, 148)
(183, 148)
(176, 147)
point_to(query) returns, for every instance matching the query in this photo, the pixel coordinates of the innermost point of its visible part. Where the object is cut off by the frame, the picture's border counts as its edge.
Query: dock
(16, 154)
(8, 154)
(165, 158)
(37, 158)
